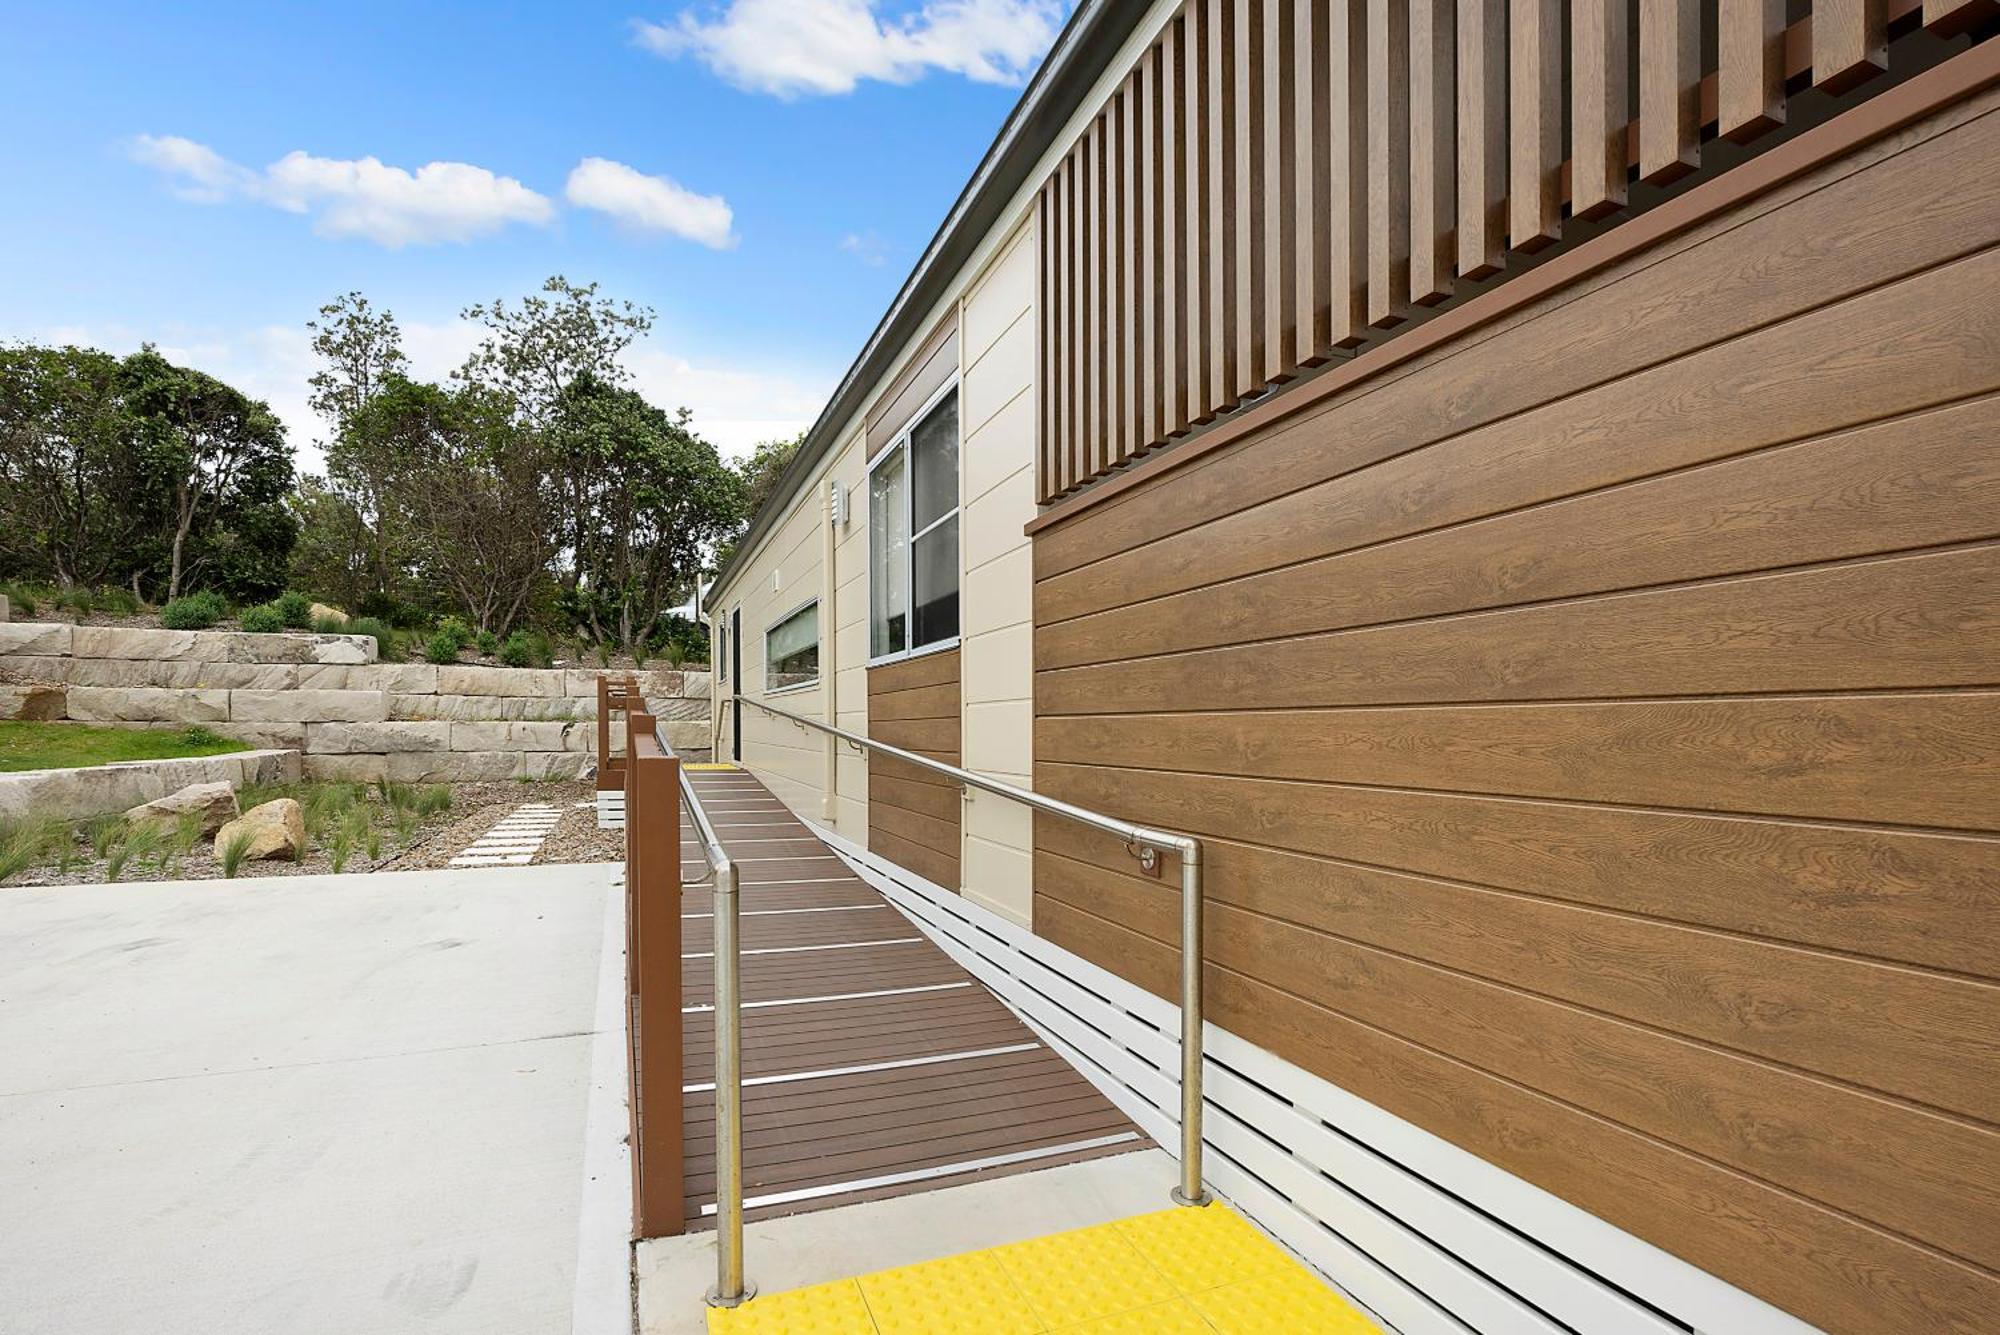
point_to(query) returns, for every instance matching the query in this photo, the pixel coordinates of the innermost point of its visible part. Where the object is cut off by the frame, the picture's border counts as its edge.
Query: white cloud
(362, 197)
(866, 247)
(650, 203)
(797, 47)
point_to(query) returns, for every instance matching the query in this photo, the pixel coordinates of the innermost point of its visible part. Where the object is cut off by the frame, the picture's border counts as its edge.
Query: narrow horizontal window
(791, 650)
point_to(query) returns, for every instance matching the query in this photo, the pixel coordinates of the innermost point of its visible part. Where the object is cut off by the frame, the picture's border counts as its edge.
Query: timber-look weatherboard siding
(1594, 726)
(914, 815)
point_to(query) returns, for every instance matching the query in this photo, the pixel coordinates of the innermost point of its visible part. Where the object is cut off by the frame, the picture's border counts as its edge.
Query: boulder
(50, 639)
(5, 614)
(496, 736)
(363, 738)
(33, 704)
(112, 704)
(144, 642)
(276, 831)
(343, 649)
(319, 610)
(308, 706)
(476, 708)
(215, 802)
(467, 679)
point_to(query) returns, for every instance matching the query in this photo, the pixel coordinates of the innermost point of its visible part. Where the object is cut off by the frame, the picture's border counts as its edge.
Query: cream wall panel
(1002, 590)
(993, 524)
(998, 738)
(1002, 293)
(1004, 667)
(998, 876)
(1002, 448)
(1004, 373)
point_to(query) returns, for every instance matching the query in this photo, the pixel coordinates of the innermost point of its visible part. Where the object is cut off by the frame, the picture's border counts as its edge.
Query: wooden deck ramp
(873, 1065)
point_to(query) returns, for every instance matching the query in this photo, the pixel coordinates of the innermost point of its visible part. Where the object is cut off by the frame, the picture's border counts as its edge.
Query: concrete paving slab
(311, 1104)
(791, 1252)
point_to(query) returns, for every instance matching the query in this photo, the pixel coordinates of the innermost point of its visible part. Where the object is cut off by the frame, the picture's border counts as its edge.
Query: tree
(475, 487)
(208, 449)
(71, 504)
(761, 470)
(331, 556)
(537, 350)
(652, 499)
(362, 355)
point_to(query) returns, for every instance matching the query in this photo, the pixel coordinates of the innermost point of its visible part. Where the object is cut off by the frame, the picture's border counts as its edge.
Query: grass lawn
(73, 745)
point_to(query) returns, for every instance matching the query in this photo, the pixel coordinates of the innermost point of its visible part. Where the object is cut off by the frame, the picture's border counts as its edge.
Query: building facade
(1519, 481)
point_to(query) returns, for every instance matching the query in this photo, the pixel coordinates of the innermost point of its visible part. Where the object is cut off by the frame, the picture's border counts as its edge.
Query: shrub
(263, 620)
(388, 608)
(20, 599)
(118, 602)
(525, 648)
(329, 625)
(295, 608)
(78, 600)
(457, 629)
(488, 642)
(433, 799)
(441, 648)
(385, 639)
(196, 611)
(197, 735)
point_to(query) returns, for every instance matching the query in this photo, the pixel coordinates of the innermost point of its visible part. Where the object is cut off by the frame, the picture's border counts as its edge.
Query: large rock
(34, 704)
(49, 639)
(407, 678)
(467, 679)
(418, 766)
(111, 704)
(555, 764)
(5, 609)
(141, 642)
(475, 708)
(492, 736)
(214, 802)
(276, 831)
(308, 706)
(320, 611)
(361, 738)
(179, 674)
(687, 736)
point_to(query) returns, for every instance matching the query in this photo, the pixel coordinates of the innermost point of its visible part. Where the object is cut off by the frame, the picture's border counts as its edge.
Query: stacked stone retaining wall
(324, 695)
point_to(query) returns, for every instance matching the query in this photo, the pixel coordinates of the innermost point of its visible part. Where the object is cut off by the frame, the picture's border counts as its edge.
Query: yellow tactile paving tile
(1174, 1272)
(959, 1295)
(1286, 1301)
(1203, 1249)
(708, 764)
(1083, 1275)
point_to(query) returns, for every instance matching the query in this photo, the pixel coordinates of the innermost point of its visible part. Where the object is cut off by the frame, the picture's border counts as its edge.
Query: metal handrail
(1143, 842)
(730, 1289)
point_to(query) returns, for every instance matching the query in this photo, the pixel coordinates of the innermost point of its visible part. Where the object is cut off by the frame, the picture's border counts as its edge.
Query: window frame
(901, 441)
(819, 642)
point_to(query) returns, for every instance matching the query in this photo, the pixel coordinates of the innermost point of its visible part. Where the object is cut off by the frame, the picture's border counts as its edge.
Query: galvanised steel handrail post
(730, 1288)
(1145, 843)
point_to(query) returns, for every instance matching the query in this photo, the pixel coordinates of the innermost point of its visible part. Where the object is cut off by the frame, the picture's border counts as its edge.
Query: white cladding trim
(1428, 1236)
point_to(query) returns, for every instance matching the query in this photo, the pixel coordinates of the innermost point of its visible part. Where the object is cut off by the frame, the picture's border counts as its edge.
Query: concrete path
(343, 1104)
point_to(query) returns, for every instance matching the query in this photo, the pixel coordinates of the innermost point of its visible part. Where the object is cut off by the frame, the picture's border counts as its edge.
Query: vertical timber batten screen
(1276, 182)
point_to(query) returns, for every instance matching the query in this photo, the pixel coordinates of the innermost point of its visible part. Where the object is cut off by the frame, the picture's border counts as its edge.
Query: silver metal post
(730, 1289)
(1190, 1192)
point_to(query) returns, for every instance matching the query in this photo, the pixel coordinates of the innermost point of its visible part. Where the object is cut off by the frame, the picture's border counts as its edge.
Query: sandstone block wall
(324, 696)
(78, 794)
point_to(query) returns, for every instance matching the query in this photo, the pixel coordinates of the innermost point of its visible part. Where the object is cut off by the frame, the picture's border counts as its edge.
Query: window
(913, 535)
(791, 650)
(722, 650)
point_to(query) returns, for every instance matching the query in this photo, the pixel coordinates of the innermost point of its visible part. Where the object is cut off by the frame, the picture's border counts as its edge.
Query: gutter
(1082, 52)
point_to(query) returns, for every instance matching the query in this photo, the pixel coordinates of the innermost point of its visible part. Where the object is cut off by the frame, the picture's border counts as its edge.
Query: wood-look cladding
(1596, 736)
(914, 815)
(1277, 181)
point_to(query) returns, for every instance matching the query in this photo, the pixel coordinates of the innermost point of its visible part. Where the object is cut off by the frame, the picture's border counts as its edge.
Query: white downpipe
(829, 639)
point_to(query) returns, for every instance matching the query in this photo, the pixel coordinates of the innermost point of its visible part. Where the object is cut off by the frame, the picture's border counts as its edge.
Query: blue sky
(763, 173)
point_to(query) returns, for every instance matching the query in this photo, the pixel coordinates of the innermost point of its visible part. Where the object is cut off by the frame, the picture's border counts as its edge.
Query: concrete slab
(313, 1104)
(672, 1274)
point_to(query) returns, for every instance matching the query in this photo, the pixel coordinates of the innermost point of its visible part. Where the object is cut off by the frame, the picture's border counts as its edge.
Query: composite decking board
(829, 1130)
